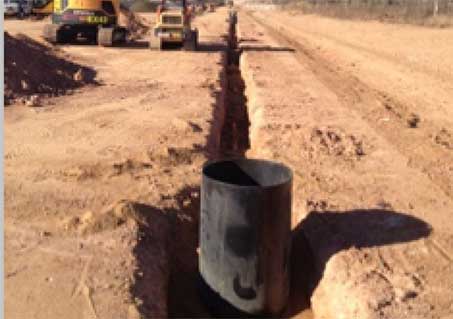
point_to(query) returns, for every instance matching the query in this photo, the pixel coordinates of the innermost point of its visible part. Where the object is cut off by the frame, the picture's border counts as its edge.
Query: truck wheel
(191, 42)
(119, 35)
(105, 37)
(196, 39)
(155, 43)
(67, 36)
(92, 37)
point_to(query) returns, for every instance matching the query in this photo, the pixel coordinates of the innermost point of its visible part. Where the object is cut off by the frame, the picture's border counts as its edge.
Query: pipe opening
(243, 172)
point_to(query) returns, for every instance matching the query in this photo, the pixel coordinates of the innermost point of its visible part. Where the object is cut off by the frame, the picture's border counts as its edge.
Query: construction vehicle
(173, 26)
(17, 8)
(94, 20)
(42, 7)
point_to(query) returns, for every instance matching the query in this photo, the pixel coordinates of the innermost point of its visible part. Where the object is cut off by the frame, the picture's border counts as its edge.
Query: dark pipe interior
(244, 172)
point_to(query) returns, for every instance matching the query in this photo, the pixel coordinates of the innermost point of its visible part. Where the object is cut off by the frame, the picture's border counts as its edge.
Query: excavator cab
(173, 26)
(95, 20)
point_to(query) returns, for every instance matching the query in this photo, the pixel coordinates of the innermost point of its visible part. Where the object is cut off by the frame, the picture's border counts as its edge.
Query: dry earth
(362, 111)
(101, 186)
(97, 182)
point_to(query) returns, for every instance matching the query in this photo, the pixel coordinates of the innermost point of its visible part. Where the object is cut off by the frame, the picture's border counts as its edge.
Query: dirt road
(362, 112)
(85, 172)
(102, 182)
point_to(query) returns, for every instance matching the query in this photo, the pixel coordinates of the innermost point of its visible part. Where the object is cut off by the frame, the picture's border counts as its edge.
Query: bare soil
(34, 68)
(358, 110)
(102, 184)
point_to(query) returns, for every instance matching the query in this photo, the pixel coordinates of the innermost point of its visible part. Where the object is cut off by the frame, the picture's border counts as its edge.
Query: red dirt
(33, 68)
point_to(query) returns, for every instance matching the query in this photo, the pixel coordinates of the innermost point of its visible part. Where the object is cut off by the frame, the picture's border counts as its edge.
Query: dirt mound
(444, 138)
(32, 68)
(142, 6)
(85, 172)
(112, 217)
(336, 143)
(137, 26)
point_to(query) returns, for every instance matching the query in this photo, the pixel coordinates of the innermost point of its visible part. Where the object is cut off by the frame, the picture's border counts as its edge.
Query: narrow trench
(235, 139)
(184, 298)
(183, 291)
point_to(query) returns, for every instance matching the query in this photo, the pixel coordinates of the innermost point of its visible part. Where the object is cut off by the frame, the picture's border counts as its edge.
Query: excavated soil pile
(32, 68)
(142, 6)
(137, 26)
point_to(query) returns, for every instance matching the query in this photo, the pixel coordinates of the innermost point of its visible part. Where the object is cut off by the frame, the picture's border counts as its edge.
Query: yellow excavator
(173, 26)
(94, 20)
(42, 7)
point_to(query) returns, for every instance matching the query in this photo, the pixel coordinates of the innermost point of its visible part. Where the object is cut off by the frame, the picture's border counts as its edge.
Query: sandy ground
(102, 185)
(97, 182)
(362, 112)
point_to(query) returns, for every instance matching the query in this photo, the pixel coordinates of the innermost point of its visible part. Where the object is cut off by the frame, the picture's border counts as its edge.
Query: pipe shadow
(152, 257)
(183, 298)
(364, 228)
(169, 235)
(190, 297)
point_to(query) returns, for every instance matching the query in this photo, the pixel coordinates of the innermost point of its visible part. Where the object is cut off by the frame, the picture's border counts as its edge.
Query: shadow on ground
(183, 296)
(136, 44)
(205, 47)
(211, 47)
(265, 48)
(356, 228)
(133, 44)
(181, 242)
(247, 40)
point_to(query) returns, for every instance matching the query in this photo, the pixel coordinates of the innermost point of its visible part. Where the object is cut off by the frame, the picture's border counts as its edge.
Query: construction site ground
(102, 178)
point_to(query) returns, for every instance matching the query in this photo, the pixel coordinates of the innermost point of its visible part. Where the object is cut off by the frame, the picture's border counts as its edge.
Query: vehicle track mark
(398, 127)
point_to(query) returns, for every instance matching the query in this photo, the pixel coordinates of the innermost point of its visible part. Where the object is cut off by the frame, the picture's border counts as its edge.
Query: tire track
(429, 154)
